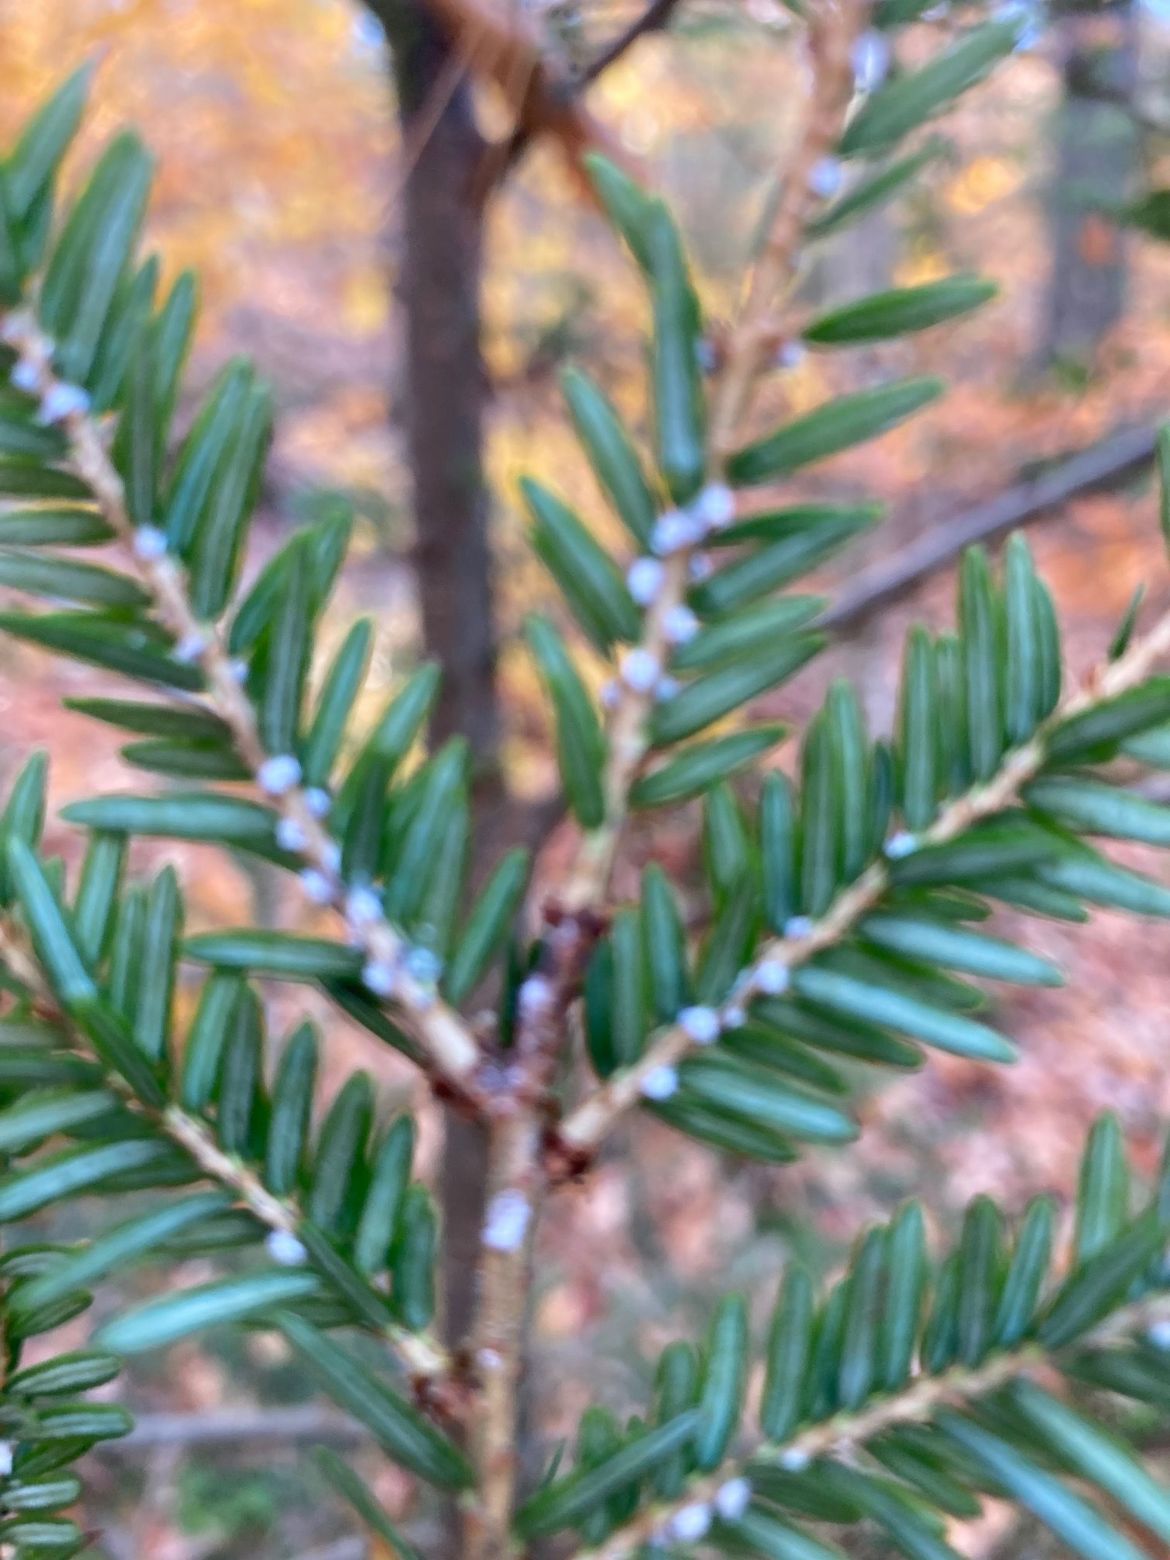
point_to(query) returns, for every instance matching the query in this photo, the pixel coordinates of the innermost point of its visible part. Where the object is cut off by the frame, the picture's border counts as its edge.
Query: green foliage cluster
(834, 1370)
(842, 926)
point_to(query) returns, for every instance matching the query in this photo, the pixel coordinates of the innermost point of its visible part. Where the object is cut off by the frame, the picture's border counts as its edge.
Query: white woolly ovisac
(690, 1523)
(290, 835)
(825, 177)
(317, 886)
(424, 965)
(675, 530)
(680, 625)
(506, 1223)
(25, 376)
(150, 543)
(318, 801)
(362, 907)
(60, 402)
(380, 977)
(279, 774)
(191, 647)
(733, 1499)
(285, 1249)
(715, 506)
(641, 670)
(700, 1024)
(644, 580)
(660, 1083)
(773, 977)
(899, 845)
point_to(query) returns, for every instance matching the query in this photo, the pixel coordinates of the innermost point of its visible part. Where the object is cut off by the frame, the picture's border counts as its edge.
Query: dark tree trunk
(446, 387)
(446, 397)
(1095, 162)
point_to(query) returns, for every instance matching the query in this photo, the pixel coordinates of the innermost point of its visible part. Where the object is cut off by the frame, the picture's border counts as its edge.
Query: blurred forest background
(335, 217)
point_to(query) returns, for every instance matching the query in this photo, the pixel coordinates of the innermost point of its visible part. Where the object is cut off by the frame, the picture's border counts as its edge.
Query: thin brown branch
(655, 18)
(441, 1034)
(538, 90)
(517, 1186)
(628, 745)
(514, 1193)
(580, 1133)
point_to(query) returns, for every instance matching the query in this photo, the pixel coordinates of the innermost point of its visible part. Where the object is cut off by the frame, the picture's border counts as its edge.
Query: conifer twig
(847, 1433)
(423, 1357)
(584, 1128)
(833, 27)
(442, 1036)
(518, 1179)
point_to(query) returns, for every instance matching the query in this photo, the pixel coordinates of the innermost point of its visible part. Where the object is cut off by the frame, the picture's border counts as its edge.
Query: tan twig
(581, 1132)
(514, 1192)
(847, 1433)
(517, 1186)
(833, 27)
(628, 743)
(441, 1034)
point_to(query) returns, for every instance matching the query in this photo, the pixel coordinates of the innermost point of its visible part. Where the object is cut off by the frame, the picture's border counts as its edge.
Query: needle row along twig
(585, 1127)
(727, 1491)
(445, 1041)
(425, 1360)
(833, 30)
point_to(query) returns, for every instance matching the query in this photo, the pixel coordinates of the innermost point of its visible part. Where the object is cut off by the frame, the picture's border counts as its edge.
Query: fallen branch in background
(1104, 465)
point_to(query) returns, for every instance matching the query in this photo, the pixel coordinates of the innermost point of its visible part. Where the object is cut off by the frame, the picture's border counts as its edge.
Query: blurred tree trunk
(446, 392)
(1094, 163)
(446, 387)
